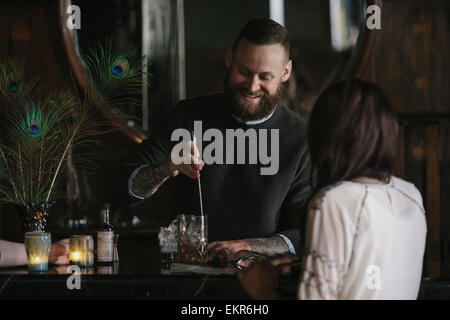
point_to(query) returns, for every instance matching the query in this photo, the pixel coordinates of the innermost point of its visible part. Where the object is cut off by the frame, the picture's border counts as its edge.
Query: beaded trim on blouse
(317, 200)
(357, 222)
(312, 279)
(340, 267)
(408, 197)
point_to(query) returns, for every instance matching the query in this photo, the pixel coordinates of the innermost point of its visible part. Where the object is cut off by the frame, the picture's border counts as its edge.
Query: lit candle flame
(75, 256)
(35, 260)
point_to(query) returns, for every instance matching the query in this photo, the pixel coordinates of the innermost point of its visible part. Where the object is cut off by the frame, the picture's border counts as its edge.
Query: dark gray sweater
(239, 201)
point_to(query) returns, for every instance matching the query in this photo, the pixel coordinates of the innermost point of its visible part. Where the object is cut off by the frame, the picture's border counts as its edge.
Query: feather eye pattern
(33, 121)
(15, 82)
(120, 68)
(118, 78)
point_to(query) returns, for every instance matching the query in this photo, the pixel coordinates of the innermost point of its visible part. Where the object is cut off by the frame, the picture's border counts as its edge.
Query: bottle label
(105, 246)
(105, 270)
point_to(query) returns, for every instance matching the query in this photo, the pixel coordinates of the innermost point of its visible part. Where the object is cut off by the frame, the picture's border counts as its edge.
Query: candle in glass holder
(37, 245)
(76, 256)
(82, 250)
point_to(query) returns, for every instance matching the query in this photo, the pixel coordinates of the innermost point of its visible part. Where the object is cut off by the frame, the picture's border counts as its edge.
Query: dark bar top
(138, 275)
(179, 287)
(16, 283)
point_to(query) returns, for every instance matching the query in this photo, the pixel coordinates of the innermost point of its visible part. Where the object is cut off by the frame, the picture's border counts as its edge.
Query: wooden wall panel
(432, 201)
(412, 53)
(444, 174)
(411, 64)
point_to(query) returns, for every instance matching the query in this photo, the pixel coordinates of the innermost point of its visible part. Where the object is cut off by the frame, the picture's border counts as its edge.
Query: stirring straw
(201, 198)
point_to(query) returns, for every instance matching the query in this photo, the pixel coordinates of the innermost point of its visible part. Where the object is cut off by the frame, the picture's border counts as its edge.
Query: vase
(34, 216)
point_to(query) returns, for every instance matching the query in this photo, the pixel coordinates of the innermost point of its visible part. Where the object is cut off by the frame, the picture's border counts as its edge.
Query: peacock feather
(120, 68)
(39, 129)
(118, 78)
(15, 83)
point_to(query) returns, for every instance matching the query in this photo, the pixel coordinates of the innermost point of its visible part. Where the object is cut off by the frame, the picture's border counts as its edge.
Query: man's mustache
(259, 93)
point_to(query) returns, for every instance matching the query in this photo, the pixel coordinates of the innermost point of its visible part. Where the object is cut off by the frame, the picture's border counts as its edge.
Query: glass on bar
(37, 245)
(168, 245)
(193, 239)
(82, 250)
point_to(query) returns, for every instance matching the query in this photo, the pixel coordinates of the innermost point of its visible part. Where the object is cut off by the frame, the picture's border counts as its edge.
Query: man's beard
(245, 111)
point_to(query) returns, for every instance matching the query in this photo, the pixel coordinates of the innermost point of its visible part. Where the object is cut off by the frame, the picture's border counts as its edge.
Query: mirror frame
(83, 80)
(363, 55)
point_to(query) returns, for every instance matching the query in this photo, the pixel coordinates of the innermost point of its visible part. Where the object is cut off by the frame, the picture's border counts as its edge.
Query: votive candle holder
(37, 245)
(82, 250)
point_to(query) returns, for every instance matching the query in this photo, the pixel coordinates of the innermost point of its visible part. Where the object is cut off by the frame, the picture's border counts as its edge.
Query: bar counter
(138, 275)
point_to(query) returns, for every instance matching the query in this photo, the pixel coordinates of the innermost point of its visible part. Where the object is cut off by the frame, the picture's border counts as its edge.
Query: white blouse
(364, 241)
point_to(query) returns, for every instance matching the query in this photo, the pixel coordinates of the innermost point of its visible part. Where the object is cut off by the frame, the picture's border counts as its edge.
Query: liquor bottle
(116, 247)
(105, 238)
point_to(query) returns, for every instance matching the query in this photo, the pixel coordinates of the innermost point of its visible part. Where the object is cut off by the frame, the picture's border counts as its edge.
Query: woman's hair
(352, 132)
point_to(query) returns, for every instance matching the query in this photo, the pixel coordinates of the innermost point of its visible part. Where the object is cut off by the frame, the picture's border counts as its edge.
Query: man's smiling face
(254, 78)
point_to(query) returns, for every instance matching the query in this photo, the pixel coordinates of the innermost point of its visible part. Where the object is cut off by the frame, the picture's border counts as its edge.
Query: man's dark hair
(264, 31)
(352, 132)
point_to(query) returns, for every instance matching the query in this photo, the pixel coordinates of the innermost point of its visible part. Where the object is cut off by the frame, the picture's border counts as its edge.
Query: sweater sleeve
(293, 211)
(153, 151)
(328, 247)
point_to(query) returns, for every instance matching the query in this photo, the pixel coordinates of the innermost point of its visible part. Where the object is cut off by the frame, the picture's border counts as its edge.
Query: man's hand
(188, 164)
(225, 250)
(64, 269)
(260, 280)
(284, 262)
(149, 179)
(59, 252)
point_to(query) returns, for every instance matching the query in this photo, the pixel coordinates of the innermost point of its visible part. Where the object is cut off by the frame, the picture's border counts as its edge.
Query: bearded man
(246, 210)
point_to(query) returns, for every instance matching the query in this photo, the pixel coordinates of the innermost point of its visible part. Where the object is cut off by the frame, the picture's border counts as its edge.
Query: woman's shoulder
(348, 194)
(407, 190)
(340, 194)
(406, 187)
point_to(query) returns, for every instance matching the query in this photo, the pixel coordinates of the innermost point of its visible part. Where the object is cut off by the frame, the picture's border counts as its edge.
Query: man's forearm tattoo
(269, 246)
(147, 179)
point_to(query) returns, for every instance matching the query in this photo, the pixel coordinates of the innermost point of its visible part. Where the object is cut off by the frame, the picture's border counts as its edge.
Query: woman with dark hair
(366, 229)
